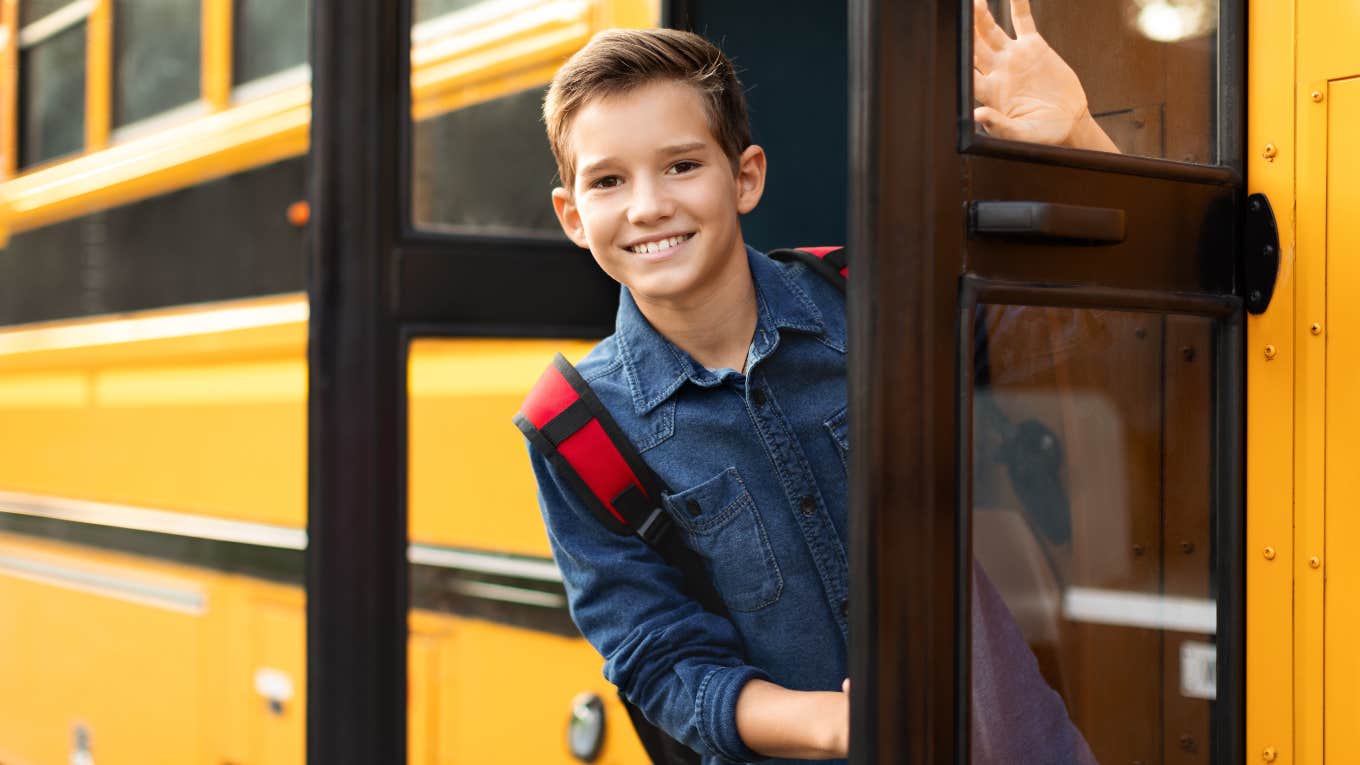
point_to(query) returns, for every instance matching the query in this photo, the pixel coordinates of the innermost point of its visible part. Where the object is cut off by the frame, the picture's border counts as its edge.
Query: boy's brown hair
(620, 60)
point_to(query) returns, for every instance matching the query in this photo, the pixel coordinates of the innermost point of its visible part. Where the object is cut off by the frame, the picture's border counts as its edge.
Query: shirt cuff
(715, 711)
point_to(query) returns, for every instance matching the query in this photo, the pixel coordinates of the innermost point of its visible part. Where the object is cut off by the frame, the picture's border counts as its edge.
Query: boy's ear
(569, 217)
(750, 178)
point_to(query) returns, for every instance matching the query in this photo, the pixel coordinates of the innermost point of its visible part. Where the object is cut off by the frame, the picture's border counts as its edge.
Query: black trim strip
(567, 422)
(540, 605)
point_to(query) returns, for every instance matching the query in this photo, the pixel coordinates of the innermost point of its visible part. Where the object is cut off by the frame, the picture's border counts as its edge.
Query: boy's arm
(778, 722)
(684, 667)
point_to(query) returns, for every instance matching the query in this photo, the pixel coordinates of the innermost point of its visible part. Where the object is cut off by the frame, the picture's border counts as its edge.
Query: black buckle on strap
(646, 518)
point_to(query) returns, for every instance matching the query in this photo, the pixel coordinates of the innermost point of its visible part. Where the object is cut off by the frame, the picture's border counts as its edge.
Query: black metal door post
(356, 502)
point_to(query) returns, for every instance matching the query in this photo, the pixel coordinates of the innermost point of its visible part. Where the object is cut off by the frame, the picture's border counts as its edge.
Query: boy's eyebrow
(665, 151)
(683, 148)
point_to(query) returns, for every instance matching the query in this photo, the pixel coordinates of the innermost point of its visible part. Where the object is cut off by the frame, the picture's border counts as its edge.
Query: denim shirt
(757, 468)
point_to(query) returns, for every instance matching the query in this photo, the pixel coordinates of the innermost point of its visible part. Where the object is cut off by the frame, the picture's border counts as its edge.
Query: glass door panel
(1093, 522)
(1146, 70)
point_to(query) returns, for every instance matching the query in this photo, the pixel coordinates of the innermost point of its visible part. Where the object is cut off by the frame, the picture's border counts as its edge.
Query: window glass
(32, 10)
(428, 9)
(268, 36)
(156, 50)
(486, 167)
(481, 163)
(1093, 536)
(52, 97)
(1145, 71)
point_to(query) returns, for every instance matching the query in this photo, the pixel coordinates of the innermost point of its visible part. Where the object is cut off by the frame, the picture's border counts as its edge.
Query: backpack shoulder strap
(830, 263)
(565, 421)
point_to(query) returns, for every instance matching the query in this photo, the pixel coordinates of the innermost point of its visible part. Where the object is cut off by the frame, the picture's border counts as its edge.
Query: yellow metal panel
(99, 75)
(1341, 562)
(1328, 30)
(216, 54)
(470, 484)
(1270, 396)
(9, 94)
(70, 655)
(506, 697)
(277, 732)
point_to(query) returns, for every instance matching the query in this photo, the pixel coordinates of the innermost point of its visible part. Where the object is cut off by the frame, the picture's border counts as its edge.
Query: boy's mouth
(657, 245)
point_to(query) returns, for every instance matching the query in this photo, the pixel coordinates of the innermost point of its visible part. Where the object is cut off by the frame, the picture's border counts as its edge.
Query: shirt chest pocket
(838, 425)
(721, 523)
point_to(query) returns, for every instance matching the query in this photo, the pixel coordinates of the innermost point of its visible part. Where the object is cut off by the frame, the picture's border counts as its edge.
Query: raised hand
(1028, 93)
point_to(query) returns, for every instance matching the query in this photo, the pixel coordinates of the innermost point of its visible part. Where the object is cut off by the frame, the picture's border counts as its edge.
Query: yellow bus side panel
(78, 649)
(1342, 563)
(470, 483)
(1270, 395)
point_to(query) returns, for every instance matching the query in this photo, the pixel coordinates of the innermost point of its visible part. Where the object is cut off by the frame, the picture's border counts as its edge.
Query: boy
(727, 372)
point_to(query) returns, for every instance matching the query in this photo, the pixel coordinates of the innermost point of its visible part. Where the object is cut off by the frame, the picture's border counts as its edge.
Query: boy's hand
(810, 725)
(1028, 93)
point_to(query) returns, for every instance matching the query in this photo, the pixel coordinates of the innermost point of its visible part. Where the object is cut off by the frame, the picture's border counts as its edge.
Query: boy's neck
(715, 327)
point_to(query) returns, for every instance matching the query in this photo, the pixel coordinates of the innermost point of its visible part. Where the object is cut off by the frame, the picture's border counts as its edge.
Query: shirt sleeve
(681, 665)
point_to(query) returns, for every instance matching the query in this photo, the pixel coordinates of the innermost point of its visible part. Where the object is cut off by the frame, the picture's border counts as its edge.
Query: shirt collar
(656, 368)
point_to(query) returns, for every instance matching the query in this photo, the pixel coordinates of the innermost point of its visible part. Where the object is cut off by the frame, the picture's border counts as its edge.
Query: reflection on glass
(268, 36)
(498, 672)
(480, 157)
(1094, 613)
(156, 49)
(1133, 76)
(52, 97)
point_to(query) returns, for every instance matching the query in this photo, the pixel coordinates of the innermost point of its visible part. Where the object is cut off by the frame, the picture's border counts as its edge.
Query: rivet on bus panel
(1269, 553)
(1315, 562)
(1316, 328)
(1269, 754)
(1270, 152)
(1270, 352)
(1317, 96)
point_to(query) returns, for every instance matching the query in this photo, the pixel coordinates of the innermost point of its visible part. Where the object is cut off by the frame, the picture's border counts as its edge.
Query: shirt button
(807, 504)
(693, 508)
(758, 396)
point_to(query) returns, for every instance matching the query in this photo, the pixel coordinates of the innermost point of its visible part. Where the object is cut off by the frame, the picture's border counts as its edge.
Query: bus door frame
(914, 161)
(375, 282)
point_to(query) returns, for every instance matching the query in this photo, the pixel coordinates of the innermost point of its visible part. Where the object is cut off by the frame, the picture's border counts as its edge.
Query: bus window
(1092, 514)
(480, 158)
(51, 80)
(1148, 67)
(268, 37)
(156, 52)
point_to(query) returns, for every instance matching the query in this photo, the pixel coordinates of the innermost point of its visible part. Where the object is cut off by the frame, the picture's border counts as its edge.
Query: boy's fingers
(990, 119)
(985, 28)
(982, 88)
(984, 58)
(845, 686)
(1022, 18)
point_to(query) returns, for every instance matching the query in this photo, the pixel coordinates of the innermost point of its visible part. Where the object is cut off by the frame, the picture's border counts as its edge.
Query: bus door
(1048, 371)
(427, 263)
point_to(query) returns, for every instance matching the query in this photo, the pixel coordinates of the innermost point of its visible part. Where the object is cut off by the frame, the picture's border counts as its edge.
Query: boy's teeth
(660, 244)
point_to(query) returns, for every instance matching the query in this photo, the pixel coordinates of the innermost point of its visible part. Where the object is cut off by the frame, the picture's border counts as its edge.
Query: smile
(657, 245)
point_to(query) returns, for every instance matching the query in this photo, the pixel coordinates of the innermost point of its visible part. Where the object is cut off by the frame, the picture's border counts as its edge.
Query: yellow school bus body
(200, 412)
(157, 660)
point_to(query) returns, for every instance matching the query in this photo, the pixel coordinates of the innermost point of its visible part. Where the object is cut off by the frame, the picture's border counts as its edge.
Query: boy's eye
(607, 182)
(683, 166)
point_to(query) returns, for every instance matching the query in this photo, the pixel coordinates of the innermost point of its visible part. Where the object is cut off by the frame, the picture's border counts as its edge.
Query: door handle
(1047, 221)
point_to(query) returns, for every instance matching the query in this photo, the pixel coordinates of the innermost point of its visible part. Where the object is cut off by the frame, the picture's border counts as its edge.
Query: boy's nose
(650, 203)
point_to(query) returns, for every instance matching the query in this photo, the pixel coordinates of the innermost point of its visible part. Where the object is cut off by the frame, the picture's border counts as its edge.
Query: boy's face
(655, 199)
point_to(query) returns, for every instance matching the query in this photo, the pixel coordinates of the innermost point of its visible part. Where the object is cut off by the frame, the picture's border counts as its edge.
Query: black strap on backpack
(566, 423)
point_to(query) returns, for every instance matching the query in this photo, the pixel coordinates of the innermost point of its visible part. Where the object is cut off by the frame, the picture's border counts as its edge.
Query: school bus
(275, 275)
